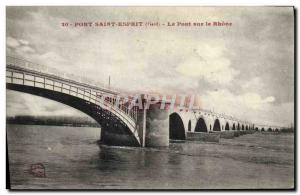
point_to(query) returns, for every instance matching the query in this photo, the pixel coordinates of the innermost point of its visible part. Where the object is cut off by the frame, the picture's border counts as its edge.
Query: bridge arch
(217, 126)
(227, 126)
(117, 128)
(233, 126)
(238, 126)
(243, 127)
(110, 124)
(201, 126)
(189, 126)
(269, 129)
(262, 129)
(176, 127)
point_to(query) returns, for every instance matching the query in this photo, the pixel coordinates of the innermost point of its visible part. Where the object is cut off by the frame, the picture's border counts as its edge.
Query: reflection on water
(73, 159)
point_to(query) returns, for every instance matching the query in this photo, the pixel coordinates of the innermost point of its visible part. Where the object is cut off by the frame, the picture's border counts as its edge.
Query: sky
(245, 70)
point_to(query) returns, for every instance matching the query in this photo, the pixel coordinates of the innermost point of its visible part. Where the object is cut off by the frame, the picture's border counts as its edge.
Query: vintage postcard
(168, 98)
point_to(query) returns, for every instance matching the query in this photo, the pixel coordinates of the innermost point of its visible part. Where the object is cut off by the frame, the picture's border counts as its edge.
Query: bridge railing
(219, 115)
(87, 91)
(113, 101)
(23, 63)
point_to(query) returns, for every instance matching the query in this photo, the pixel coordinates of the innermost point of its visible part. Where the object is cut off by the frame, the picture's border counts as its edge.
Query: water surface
(73, 160)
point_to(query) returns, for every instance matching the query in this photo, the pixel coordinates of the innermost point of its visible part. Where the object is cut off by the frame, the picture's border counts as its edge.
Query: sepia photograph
(150, 97)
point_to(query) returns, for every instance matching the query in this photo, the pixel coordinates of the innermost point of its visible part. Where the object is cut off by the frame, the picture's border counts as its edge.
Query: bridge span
(121, 124)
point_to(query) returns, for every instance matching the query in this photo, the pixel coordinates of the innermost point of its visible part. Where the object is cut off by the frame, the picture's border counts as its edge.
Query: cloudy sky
(245, 70)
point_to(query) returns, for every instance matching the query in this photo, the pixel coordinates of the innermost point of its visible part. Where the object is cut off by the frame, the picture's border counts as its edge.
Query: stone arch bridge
(120, 125)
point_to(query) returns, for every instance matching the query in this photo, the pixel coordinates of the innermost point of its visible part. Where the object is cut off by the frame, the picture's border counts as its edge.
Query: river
(72, 159)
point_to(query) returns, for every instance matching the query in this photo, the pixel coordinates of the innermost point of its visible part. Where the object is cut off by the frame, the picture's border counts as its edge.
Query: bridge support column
(154, 125)
(157, 126)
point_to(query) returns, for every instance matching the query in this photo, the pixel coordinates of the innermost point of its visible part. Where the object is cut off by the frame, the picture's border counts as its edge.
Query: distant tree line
(288, 130)
(53, 121)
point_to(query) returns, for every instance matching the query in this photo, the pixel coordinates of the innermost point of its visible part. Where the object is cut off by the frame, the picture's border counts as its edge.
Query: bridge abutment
(116, 139)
